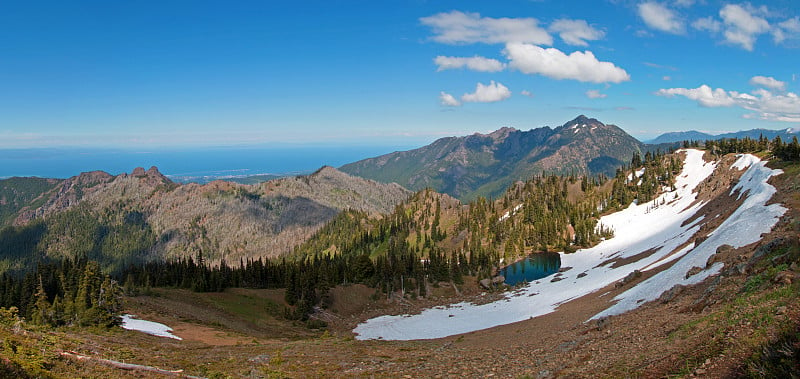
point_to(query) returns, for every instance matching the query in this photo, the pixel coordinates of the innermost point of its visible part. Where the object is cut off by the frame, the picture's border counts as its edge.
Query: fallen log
(126, 366)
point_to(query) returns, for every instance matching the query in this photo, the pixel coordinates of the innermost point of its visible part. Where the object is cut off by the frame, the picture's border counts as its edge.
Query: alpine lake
(533, 267)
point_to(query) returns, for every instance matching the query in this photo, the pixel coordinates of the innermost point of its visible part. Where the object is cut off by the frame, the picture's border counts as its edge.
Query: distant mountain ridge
(142, 216)
(486, 164)
(694, 135)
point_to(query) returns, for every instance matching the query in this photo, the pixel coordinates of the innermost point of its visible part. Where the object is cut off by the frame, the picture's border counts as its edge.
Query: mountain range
(486, 164)
(694, 135)
(144, 216)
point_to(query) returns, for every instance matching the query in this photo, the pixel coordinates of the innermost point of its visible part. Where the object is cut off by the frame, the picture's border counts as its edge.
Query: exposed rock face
(68, 193)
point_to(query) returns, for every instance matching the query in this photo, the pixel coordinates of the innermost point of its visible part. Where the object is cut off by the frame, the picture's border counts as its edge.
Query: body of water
(533, 267)
(184, 162)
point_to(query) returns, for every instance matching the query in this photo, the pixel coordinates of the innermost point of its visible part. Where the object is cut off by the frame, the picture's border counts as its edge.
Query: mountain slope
(142, 216)
(671, 238)
(486, 164)
(17, 193)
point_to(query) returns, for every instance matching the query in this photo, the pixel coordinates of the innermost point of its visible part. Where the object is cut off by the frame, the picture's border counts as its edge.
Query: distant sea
(184, 163)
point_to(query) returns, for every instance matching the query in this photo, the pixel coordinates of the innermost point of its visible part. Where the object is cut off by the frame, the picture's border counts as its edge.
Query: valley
(662, 273)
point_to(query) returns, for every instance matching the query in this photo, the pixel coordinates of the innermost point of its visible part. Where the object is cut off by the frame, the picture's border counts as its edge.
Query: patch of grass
(247, 306)
(758, 281)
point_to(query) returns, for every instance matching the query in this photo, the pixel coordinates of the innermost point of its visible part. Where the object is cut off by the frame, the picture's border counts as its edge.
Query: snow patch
(130, 322)
(509, 213)
(637, 228)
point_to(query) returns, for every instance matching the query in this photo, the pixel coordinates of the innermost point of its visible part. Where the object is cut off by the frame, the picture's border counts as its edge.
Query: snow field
(637, 229)
(130, 322)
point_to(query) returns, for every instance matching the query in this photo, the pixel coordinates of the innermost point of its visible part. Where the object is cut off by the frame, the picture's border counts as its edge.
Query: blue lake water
(533, 267)
(215, 161)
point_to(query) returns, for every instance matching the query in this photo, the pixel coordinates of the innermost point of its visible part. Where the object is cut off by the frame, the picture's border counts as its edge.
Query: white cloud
(786, 29)
(765, 104)
(684, 3)
(659, 17)
(704, 95)
(575, 32)
(487, 93)
(448, 100)
(553, 63)
(595, 94)
(526, 93)
(742, 26)
(707, 23)
(768, 82)
(458, 27)
(666, 78)
(475, 63)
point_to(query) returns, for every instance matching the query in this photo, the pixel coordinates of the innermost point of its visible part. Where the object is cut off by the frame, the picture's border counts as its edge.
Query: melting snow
(637, 228)
(130, 322)
(509, 213)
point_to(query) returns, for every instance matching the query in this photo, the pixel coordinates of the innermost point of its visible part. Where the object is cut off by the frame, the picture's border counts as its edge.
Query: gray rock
(670, 294)
(766, 248)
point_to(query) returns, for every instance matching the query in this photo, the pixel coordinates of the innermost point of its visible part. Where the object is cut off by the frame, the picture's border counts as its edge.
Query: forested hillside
(485, 165)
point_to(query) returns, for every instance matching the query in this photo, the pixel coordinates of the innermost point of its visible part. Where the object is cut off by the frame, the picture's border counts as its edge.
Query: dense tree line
(63, 292)
(786, 151)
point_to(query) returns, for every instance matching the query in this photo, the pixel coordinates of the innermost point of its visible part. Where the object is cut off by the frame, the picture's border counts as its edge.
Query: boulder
(670, 294)
(486, 283)
(631, 277)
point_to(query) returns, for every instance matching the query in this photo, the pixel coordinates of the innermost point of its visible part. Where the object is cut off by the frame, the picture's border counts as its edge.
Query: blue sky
(394, 73)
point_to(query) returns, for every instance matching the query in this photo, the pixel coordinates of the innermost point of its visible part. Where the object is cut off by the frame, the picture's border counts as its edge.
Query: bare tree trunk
(127, 366)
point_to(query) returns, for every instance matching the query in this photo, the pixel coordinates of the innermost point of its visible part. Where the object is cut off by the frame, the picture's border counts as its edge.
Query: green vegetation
(16, 193)
(68, 292)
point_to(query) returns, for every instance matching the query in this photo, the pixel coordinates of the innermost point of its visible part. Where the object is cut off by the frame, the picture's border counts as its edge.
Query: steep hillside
(129, 218)
(668, 236)
(17, 193)
(485, 165)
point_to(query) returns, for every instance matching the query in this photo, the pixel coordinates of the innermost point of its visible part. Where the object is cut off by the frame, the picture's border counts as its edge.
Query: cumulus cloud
(658, 16)
(457, 27)
(448, 100)
(475, 63)
(743, 26)
(595, 94)
(487, 93)
(553, 63)
(575, 32)
(765, 104)
(704, 95)
(768, 82)
(786, 29)
(707, 23)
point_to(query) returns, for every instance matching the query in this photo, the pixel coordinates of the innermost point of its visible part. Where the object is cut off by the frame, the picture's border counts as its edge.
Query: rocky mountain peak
(327, 171)
(581, 122)
(502, 133)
